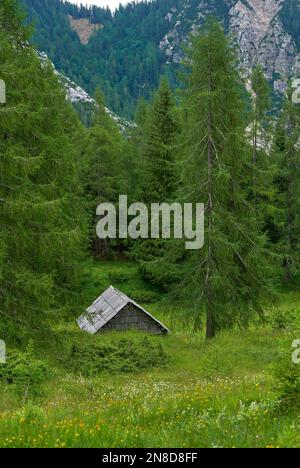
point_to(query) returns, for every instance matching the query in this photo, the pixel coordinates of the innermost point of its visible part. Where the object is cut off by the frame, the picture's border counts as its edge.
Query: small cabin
(114, 311)
(2, 92)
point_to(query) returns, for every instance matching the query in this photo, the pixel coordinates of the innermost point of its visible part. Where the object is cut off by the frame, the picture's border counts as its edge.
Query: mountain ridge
(141, 42)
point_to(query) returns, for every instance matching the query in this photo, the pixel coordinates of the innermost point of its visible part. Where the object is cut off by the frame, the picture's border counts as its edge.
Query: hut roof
(106, 307)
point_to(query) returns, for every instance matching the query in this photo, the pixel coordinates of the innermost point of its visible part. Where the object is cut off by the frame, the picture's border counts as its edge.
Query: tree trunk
(210, 319)
(254, 159)
(288, 260)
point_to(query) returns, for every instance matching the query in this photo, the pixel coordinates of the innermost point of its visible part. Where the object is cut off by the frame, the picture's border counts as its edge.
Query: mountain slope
(126, 54)
(262, 29)
(122, 57)
(83, 103)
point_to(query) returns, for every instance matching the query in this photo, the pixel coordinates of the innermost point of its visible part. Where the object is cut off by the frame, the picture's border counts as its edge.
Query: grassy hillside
(194, 393)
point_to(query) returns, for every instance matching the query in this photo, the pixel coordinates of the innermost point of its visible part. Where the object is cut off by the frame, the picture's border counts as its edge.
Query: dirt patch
(84, 28)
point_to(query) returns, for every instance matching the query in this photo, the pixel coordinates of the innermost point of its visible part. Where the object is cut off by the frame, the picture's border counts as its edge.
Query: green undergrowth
(122, 356)
(124, 276)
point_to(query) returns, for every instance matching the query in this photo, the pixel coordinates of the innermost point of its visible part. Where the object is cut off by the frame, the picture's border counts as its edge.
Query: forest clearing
(219, 394)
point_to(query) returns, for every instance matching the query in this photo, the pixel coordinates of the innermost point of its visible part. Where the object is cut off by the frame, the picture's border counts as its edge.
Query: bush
(24, 373)
(287, 375)
(123, 356)
(118, 276)
(285, 319)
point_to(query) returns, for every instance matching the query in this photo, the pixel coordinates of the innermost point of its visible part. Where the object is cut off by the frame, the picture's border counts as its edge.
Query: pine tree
(160, 132)
(260, 107)
(227, 278)
(287, 154)
(263, 167)
(159, 181)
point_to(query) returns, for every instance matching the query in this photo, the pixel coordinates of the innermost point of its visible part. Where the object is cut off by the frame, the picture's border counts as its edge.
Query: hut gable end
(113, 310)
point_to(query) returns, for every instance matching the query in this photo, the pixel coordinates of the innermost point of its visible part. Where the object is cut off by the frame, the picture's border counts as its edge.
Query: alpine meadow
(150, 227)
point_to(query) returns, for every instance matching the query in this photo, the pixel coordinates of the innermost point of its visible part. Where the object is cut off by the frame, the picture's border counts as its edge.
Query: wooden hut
(2, 92)
(113, 310)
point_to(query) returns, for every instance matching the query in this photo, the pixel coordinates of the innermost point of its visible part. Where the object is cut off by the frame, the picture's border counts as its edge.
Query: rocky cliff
(259, 29)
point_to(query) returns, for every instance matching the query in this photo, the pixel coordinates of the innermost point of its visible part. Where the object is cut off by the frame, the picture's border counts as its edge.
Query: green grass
(217, 394)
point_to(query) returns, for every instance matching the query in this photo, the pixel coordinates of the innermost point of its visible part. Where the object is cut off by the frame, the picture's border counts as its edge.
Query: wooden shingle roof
(106, 307)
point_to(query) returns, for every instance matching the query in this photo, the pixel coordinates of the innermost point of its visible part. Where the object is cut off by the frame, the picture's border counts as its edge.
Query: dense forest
(213, 142)
(122, 58)
(125, 57)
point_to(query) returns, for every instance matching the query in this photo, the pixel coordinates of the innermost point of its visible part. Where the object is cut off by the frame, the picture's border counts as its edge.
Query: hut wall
(133, 318)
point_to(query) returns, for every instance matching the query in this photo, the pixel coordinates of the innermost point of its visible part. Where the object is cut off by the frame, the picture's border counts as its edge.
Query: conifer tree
(160, 132)
(261, 189)
(159, 181)
(260, 107)
(42, 216)
(287, 155)
(226, 279)
(141, 113)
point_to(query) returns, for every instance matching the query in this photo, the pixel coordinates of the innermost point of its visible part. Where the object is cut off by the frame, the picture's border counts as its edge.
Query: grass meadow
(217, 394)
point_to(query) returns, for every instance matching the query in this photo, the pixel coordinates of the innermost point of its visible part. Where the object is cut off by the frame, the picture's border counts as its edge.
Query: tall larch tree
(261, 104)
(110, 170)
(263, 165)
(160, 133)
(42, 216)
(227, 278)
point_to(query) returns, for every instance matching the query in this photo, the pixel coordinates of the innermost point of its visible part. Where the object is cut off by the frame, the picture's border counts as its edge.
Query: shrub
(287, 375)
(23, 372)
(123, 356)
(285, 319)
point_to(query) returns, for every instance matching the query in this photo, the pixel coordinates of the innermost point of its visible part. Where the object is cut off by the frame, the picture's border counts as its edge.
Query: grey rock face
(79, 97)
(257, 29)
